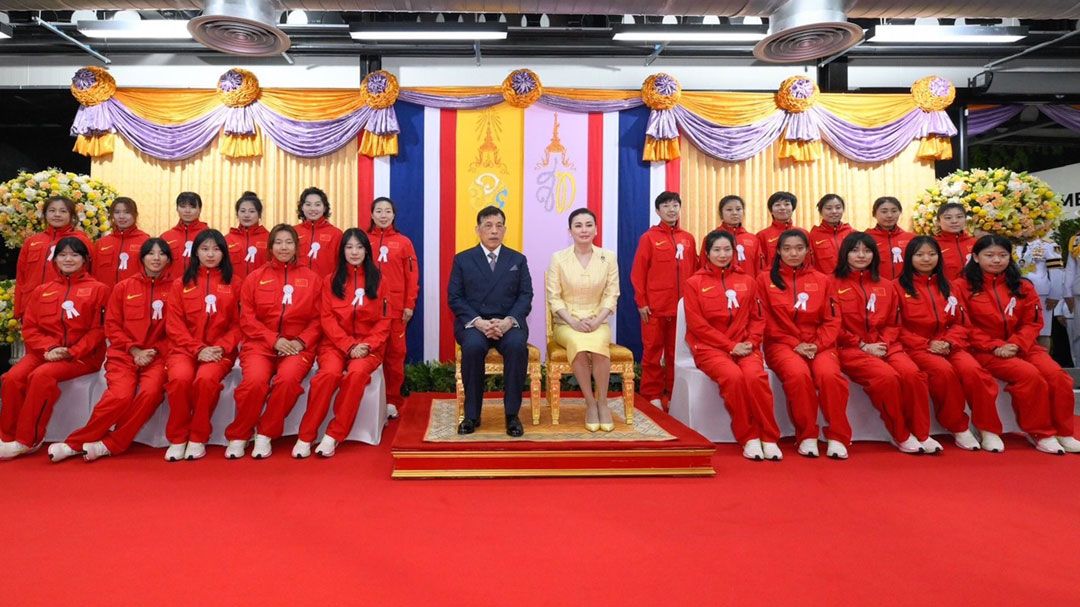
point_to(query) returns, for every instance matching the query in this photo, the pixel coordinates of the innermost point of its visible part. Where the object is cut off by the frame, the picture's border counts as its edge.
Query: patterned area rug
(442, 425)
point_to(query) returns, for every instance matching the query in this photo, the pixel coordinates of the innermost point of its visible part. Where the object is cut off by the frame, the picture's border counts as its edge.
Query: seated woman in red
(826, 237)
(116, 255)
(801, 325)
(318, 237)
(202, 322)
(64, 337)
(953, 239)
(870, 350)
(724, 328)
(748, 257)
(135, 366)
(891, 239)
(355, 329)
(247, 241)
(934, 335)
(35, 266)
(279, 316)
(1006, 316)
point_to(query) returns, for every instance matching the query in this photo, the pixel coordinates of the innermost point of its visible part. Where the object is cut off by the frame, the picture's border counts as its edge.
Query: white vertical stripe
(657, 180)
(381, 176)
(432, 216)
(610, 198)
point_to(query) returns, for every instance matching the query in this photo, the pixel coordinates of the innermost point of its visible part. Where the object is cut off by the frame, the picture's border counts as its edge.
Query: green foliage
(1064, 232)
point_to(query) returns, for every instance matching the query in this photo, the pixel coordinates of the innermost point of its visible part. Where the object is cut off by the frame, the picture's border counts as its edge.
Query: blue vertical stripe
(634, 215)
(407, 191)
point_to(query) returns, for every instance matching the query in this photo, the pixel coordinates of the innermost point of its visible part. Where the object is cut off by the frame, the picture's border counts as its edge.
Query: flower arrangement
(379, 89)
(22, 203)
(933, 93)
(1018, 206)
(522, 88)
(797, 94)
(92, 85)
(9, 327)
(238, 88)
(661, 92)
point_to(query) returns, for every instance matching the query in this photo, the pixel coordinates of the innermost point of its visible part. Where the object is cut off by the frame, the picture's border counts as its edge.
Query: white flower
(42, 176)
(86, 189)
(63, 179)
(30, 193)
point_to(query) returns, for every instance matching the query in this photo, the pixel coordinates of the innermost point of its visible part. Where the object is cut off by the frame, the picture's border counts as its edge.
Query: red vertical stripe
(365, 189)
(672, 175)
(447, 222)
(596, 172)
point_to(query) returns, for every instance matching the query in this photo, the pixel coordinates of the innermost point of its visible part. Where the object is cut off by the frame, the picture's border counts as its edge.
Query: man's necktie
(492, 258)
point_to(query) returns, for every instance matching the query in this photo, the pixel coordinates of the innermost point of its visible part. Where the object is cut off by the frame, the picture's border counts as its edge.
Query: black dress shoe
(468, 426)
(513, 426)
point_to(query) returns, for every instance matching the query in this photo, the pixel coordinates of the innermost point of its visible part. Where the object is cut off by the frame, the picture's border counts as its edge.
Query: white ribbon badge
(158, 306)
(968, 258)
(384, 254)
(52, 250)
(801, 303)
(211, 304)
(123, 261)
(69, 307)
(950, 308)
(871, 304)
(187, 248)
(732, 301)
(679, 250)
(897, 255)
(250, 257)
(314, 252)
(358, 298)
(288, 291)
(741, 251)
(1012, 306)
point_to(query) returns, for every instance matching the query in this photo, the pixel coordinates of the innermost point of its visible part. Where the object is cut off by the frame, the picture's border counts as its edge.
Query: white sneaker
(931, 446)
(909, 445)
(195, 451)
(262, 449)
(966, 440)
(808, 447)
(752, 450)
(12, 450)
(59, 452)
(656, 403)
(1069, 444)
(175, 452)
(992, 442)
(837, 450)
(235, 449)
(391, 411)
(326, 447)
(301, 449)
(1049, 445)
(772, 451)
(94, 451)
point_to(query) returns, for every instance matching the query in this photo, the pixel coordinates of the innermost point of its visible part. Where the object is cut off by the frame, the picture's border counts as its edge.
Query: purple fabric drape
(985, 120)
(801, 127)
(876, 144)
(92, 120)
(565, 104)
(662, 125)
(239, 121)
(166, 142)
(383, 122)
(1065, 115)
(729, 143)
(453, 103)
(310, 139)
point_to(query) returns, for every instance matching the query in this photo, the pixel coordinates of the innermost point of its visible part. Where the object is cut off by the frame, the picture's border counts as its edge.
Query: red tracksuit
(400, 282)
(929, 315)
(354, 319)
(200, 315)
(1042, 393)
(802, 312)
(65, 312)
(180, 240)
(955, 252)
(825, 245)
(748, 258)
(891, 245)
(116, 256)
(247, 251)
(135, 318)
(722, 309)
(666, 257)
(769, 238)
(277, 300)
(895, 385)
(323, 259)
(35, 266)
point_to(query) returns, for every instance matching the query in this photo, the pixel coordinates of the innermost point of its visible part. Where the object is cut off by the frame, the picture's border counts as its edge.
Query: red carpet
(880, 529)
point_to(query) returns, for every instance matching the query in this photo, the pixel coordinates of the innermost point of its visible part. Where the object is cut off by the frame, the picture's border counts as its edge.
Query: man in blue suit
(490, 294)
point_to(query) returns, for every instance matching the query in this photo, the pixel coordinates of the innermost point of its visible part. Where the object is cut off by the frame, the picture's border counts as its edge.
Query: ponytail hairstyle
(191, 274)
(393, 207)
(127, 203)
(907, 275)
(826, 198)
(852, 240)
(974, 274)
(886, 200)
(341, 273)
(774, 274)
(712, 237)
(251, 197)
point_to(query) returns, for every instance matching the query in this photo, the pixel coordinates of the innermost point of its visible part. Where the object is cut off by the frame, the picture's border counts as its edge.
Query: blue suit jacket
(475, 290)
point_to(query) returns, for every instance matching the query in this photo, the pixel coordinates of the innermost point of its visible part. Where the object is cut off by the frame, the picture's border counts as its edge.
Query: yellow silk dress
(583, 292)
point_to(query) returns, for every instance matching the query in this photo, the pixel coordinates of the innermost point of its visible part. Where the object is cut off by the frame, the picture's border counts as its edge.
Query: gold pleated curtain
(705, 180)
(277, 177)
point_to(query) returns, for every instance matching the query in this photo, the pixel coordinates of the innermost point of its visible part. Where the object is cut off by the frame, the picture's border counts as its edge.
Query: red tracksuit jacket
(325, 257)
(264, 317)
(955, 251)
(930, 316)
(108, 251)
(135, 317)
(748, 260)
(891, 245)
(49, 324)
(997, 318)
(178, 238)
(355, 319)
(787, 324)
(194, 321)
(35, 265)
(247, 250)
(825, 245)
(657, 276)
(867, 311)
(400, 281)
(770, 237)
(722, 309)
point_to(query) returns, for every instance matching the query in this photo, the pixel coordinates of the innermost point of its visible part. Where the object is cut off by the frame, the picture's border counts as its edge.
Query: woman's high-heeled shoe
(591, 426)
(608, 426)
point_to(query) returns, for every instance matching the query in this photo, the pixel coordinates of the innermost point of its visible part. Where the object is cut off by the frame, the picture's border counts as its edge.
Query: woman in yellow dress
(582, 290)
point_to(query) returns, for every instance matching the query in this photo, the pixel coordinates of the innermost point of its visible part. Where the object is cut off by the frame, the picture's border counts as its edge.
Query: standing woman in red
(65, 338)
(35, 266)
(400, 282)
(724, 327)
(781, 207)
(319, 238)
(181, 238)
(355, 328)
(748, 258)
(247, 241)
(279, 317)
(116, 255)
(1006, 316)
(201, 319)
(135, 366)
(870, 350)
(801, 326)
(933, 333)
(953, 239)
(825, 238)
(891, 239)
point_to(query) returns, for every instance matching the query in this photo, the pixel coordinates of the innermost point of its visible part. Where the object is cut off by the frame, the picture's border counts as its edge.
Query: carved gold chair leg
(553, 380)
(628, 395)
(534, 392)
(460, 392)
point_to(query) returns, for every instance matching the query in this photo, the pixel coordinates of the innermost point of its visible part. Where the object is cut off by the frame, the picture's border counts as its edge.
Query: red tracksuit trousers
(394, 363)
(808, 382)
(1042, 394)
(960, 380)
(349, 377)
(29, 392)
(744, 386)
(271, 380)
(657, 340)
(131, 398)
(193, 389)
(897, 389)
